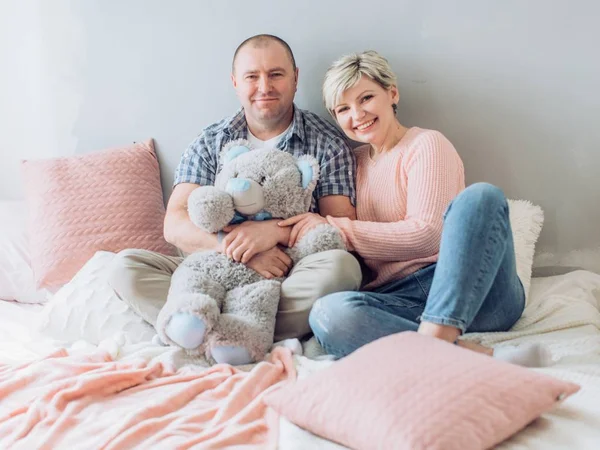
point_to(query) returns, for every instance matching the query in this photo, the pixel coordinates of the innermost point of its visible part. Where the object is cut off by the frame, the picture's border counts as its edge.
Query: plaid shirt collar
(236, 126)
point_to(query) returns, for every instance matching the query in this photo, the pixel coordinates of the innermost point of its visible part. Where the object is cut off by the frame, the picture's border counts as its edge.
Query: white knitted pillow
(526, 221)
(87, 308)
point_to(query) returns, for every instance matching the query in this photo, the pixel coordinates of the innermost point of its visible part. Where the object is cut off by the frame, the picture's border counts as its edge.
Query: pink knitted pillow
(408, 391)
(108, 200)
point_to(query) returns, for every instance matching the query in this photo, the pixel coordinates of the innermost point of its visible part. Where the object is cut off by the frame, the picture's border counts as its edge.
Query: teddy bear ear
(309, 168)
(234, 149)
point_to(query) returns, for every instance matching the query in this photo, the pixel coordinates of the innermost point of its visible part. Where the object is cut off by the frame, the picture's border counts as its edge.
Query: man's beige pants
(142, 278)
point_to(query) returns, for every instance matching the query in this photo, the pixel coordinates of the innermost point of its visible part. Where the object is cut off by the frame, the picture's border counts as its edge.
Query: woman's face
(365, 111)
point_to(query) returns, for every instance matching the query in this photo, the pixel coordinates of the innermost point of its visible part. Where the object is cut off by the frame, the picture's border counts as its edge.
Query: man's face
(265, 82)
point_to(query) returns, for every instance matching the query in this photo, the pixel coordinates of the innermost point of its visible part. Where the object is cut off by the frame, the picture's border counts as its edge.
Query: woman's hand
(301, 225)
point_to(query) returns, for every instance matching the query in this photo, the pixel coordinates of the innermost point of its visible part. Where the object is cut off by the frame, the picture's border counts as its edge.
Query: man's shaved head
(263, 40)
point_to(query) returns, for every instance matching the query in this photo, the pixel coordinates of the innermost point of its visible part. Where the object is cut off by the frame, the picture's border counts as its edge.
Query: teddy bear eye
(262, 180)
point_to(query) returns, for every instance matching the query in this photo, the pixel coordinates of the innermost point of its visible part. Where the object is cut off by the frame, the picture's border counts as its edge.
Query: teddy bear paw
(236, 355)
(186, 330)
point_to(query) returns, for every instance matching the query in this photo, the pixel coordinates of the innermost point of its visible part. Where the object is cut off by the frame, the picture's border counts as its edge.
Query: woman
(442, 256)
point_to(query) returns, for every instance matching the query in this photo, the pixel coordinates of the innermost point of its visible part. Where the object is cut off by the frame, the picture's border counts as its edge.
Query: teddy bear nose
(248, 196)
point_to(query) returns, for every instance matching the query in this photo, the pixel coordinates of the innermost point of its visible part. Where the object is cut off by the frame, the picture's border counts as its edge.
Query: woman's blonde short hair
(347, 71)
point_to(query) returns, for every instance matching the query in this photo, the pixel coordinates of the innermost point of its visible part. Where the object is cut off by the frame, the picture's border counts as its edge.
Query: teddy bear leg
(186, 321)
(189, 313)
(244, 331)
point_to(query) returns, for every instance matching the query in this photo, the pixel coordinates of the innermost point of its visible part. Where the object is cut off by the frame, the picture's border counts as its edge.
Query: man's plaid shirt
(308, 135)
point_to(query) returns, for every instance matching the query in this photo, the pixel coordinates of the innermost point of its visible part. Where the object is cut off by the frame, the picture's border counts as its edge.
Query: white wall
(513, 84)
(40, 50)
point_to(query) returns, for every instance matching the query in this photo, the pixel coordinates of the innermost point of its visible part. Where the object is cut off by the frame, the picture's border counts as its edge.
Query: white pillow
(526, 221)
(17, 282)
(87, 308)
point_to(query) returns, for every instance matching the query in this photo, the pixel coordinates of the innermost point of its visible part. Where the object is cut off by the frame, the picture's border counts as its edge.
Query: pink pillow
(109, 200)
(408, 391)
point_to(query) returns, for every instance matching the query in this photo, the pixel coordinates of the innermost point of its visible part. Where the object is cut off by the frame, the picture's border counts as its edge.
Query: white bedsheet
(18, 340)
(563, 312)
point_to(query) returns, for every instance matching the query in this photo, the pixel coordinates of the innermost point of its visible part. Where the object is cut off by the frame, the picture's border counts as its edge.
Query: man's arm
(197, 167)
(179, 229)
(337, 206)
(336, 188)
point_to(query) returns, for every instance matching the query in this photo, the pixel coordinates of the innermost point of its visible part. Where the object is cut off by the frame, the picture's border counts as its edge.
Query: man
(265, 78)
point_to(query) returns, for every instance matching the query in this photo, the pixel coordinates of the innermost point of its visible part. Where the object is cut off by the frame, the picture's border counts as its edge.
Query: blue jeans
(473, 286)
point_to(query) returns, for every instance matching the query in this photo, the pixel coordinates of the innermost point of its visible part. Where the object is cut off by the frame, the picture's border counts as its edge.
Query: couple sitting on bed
(440, 258)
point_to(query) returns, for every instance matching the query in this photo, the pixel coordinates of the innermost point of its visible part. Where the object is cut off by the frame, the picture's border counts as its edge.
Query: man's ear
(233, 82)
(296, 79)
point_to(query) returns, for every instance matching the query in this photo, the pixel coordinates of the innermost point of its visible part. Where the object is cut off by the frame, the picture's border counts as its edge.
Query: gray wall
(515, 85)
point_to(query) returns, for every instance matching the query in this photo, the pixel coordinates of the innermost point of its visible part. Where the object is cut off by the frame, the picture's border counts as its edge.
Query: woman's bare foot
(526, 355)
(444, 332)
(451, 334)
(476, 347)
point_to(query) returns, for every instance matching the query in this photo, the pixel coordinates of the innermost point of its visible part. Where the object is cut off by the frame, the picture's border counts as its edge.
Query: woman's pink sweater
(401, 199)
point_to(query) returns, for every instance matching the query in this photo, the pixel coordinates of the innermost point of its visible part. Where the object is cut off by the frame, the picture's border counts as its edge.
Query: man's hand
(272, 263)
(301, 224)
(247, 239)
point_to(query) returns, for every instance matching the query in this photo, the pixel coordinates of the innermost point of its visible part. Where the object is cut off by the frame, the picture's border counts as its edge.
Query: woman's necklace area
(375, 156)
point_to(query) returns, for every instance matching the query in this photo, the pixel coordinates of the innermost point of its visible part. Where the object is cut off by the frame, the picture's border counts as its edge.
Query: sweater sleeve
(434, 175)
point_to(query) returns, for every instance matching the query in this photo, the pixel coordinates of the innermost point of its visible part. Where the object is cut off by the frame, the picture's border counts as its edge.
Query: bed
(563, 312)
(76, 355)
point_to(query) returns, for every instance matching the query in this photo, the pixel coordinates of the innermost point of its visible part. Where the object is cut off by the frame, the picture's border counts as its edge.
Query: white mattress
(563, 312)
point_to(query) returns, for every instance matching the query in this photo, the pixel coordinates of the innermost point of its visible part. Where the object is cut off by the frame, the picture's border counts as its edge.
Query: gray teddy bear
(221, 308)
